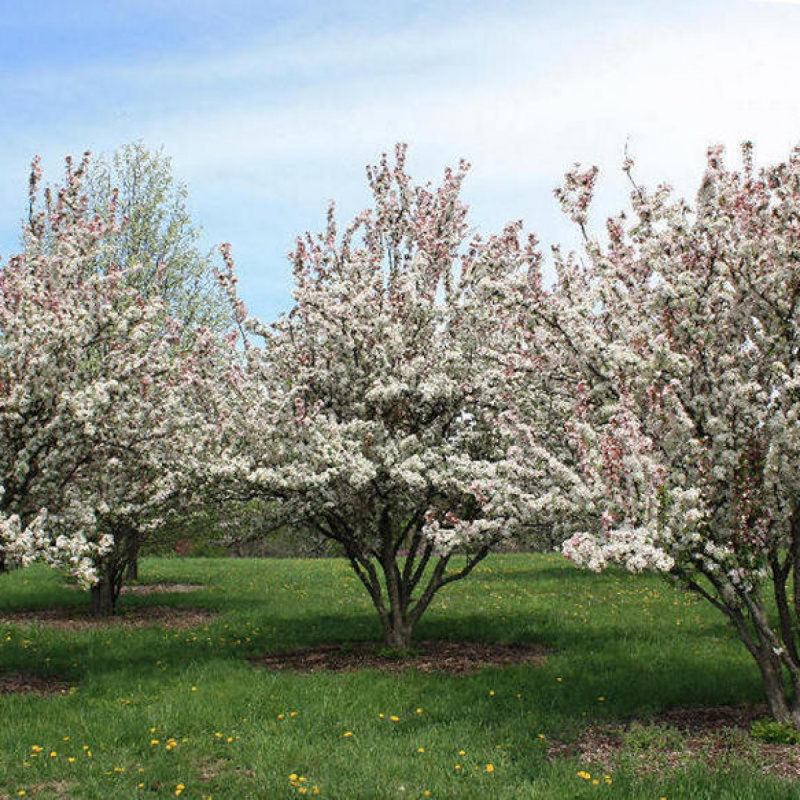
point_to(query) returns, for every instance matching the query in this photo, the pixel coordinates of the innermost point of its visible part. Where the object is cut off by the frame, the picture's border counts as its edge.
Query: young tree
(93, 418)
(682, 333)
(155, 234)
(382, 409)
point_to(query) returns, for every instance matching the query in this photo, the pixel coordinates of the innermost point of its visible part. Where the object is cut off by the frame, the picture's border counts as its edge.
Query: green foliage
(768, 730)
(644, 738)
(198, 535)
(395, 654)
(157, 235)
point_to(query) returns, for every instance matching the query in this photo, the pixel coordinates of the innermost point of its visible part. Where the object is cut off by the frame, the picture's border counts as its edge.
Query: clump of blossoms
(93, 418)
(383, 409)
(681, 333)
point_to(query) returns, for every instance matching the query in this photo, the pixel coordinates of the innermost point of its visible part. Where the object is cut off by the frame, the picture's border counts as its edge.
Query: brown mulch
(457, 658)
(710, 719)
(715, 735)
(162, 588)
(72, 619)
(150, 588)
(28, 683)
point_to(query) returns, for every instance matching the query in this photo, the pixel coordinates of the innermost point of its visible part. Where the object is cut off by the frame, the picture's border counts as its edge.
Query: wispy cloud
(267, 131)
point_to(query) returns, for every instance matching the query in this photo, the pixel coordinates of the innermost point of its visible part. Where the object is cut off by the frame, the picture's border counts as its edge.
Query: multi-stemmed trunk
(113, 569)
(401, 587)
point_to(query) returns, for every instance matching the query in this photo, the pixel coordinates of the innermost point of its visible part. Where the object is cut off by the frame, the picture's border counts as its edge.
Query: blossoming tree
(92, 412)
(682, 332)
(382, 409)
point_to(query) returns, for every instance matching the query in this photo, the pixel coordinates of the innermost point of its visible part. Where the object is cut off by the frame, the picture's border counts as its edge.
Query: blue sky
(271, 109)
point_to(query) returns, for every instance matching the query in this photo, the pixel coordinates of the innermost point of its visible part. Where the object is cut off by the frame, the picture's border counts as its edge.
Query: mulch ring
(151, 588)
(161, 588)
(74, 619)
(457, 658)
(675, 738)
(28, 683)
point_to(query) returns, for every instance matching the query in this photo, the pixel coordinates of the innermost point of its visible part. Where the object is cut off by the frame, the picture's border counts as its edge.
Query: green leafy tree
(157, 241)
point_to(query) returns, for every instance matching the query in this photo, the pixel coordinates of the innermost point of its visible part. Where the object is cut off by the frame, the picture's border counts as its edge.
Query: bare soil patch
(140, 617)
(428, 656)
(675, 738)
(28, 683)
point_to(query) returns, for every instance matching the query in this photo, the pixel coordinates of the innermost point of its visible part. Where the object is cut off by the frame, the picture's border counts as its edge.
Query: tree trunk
(772, 679)
(103, 598)
(397, 633)
(132, 568)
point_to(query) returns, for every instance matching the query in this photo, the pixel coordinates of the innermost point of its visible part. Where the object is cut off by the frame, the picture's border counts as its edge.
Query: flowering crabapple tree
(155, 243)
(91, 401)
(382, 407)
(682, 331)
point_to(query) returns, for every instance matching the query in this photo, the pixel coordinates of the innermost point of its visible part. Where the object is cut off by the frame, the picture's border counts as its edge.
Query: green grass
(162, 708)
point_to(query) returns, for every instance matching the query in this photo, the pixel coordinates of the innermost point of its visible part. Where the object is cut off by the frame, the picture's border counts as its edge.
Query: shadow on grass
(611, 667)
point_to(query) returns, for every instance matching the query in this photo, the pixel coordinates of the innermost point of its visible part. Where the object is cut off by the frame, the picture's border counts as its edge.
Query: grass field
(165, 712)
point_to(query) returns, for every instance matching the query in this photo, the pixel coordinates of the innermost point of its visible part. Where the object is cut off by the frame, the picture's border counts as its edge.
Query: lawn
(163, 711)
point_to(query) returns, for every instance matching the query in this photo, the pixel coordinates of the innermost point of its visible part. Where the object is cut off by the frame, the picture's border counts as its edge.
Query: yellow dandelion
(394, 719)
(347, 734)
(420, 749)
(490, 767)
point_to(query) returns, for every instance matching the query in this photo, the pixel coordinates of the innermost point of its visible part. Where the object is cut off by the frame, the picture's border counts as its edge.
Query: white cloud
(278, 127)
